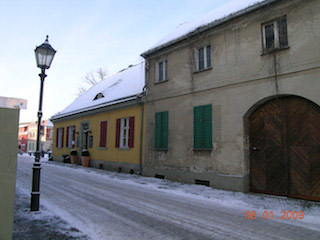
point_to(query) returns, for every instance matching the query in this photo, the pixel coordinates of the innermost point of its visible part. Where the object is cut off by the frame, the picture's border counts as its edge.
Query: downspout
(141, 100)
(141, 136)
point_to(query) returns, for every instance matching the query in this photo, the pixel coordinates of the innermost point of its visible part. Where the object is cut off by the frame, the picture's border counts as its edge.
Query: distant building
(23, 136)
(27, 136)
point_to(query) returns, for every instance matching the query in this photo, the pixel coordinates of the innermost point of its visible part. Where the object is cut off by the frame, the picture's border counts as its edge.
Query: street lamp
(44, 56)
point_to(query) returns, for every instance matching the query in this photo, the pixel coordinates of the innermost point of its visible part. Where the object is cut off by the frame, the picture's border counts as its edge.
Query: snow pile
(122, 86)
(32, 157)
(215, 16)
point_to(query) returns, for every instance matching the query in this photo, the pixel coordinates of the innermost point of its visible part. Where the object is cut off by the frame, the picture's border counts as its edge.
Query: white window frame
(164, 70)
(60, 136)
(275, 33)
(205, 57)
(70, 142)
(124, 133)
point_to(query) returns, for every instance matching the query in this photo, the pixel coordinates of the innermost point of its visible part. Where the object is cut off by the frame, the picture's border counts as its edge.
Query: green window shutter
(207, 115)
(161, 130)
(157, 130)
(165, 128)
(202, 127)
(197, 127)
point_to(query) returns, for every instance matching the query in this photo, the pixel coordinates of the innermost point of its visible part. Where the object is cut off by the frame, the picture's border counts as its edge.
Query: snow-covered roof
(47, 123)
(231, 9)
(120, 87)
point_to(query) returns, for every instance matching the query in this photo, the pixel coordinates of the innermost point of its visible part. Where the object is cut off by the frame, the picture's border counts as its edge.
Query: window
(78, 141)
(202, 127)
(84, 135)
(49, 133)
(125, 132)
(162, 71)
(98, 96)
(90, 142)
(161, 130)
(71, 136)
(59, 137)
(203, 55)
(275, 34)
(103, 134)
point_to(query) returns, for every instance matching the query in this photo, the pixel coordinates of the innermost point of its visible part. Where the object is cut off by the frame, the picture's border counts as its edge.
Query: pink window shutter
(118, 133)
(67, 137)
(131, 132)
(57, 137)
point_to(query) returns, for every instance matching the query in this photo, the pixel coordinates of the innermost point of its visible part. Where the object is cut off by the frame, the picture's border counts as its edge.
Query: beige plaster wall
(9, 120)
(241, 76)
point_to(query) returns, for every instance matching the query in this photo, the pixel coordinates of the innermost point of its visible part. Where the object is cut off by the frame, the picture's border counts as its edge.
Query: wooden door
(268, 160)
(285, 148)
(304, 148)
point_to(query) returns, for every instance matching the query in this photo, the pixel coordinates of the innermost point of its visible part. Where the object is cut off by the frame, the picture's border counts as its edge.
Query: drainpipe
(140, 100)
(141, 137)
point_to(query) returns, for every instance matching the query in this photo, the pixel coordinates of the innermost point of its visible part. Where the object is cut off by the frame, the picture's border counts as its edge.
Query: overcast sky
(87, 34)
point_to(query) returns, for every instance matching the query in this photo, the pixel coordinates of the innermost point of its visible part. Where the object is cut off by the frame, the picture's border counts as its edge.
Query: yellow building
(107, 121)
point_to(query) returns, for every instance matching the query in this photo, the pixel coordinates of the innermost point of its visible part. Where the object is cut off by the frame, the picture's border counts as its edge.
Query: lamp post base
(35, 197)
(35, 194)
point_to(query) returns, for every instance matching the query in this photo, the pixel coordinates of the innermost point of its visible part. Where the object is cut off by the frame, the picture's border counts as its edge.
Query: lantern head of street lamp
(44, 54)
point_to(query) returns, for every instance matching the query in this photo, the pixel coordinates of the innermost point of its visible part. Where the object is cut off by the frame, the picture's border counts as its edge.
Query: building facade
(27, 136)
(234, 103)
(107, 120)
(23, 137)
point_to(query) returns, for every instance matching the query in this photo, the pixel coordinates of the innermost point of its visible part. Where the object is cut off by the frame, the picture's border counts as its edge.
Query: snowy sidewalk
(40, 225)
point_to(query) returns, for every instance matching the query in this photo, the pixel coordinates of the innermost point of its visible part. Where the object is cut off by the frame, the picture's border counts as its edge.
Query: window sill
(123, 148)
(161, 149)
(202, 149)
(203, 70)
(159, 82)
(102, 148)
(275, 50)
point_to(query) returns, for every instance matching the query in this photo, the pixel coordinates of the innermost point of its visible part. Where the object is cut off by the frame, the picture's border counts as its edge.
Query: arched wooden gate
(285, 148)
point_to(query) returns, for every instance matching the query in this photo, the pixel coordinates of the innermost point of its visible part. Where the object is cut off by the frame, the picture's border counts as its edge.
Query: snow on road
(106, 205)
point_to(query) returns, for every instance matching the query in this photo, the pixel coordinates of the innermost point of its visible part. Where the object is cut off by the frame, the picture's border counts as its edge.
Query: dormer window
(98, 96)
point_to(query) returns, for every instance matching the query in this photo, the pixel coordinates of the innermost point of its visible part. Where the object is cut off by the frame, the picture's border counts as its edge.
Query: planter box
(85, 161)
(74, 159)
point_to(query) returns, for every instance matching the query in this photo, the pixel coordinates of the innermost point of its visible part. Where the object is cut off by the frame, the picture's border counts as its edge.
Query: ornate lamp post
(44, 56)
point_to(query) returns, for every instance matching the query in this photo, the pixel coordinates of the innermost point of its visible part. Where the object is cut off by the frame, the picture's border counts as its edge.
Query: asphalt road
(106, 208)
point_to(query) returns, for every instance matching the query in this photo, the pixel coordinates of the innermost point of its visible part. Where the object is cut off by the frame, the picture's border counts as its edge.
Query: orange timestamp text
(270, 215)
